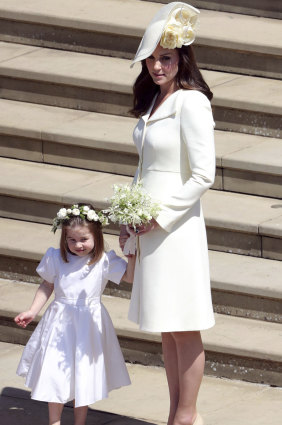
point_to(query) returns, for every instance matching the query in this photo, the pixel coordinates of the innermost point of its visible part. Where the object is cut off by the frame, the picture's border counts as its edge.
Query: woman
(174, 137)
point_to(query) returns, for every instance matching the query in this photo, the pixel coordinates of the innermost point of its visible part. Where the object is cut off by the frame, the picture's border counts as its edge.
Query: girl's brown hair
(188, 77)
(95, 227)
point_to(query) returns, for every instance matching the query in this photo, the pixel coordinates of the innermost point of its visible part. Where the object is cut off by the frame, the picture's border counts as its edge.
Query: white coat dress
(171, 289)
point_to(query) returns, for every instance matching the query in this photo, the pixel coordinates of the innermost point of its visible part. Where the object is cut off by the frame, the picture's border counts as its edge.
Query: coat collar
(169, 107)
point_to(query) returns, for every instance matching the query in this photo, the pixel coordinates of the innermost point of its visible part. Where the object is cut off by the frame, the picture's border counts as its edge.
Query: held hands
(140, 230)
(23, 319)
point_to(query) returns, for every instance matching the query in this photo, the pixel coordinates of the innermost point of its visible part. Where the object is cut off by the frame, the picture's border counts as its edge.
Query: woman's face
(162, 65)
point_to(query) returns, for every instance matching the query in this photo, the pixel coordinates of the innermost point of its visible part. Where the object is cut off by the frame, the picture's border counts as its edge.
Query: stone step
(227, 42)
(146, 399)
(83, 81)
(237, 223)
(267, 8)
(245, 163)
(235, 348)
(255, 292)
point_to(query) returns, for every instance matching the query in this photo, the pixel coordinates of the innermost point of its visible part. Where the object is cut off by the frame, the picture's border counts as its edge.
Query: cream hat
(172, 26)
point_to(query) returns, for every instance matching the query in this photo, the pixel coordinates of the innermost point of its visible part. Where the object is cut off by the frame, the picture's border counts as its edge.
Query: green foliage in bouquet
(132, 205)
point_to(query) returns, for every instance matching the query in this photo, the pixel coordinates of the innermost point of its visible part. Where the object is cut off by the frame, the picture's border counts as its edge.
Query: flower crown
(84, 212)
(179, 29)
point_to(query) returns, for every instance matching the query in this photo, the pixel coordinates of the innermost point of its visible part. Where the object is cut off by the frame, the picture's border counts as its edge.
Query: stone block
(272, 248)
(21, 148)
(254, 183)
(234, 242)
(92, 159)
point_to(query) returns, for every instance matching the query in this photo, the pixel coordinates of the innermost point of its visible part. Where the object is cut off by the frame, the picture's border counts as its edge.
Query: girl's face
(162, 65)
(80, 240)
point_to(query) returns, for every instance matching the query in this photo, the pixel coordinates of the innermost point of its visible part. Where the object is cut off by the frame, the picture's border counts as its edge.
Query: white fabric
(130, 244)
(171, 289)
(74, 352)
(155, 29)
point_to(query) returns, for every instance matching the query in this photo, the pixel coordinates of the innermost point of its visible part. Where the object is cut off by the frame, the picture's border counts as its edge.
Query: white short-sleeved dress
(74, 352)
(171, 289)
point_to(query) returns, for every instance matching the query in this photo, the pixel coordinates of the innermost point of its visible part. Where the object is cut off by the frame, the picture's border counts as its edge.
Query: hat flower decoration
(179, 30)
(173, 26)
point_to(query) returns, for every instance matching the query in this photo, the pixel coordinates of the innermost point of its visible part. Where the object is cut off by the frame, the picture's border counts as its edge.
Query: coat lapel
(166, 109)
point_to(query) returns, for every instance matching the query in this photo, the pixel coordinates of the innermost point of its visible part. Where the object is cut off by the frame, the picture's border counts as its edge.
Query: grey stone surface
(133, 17)
(145, 400)
(56, 185)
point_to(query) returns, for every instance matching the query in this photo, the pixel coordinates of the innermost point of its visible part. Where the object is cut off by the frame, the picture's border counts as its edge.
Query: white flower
(183, 16)
(75, 206)
(132, 205)
(188, 34)
(62, 213)
(92, 216)
(75, 211)
(85, 208)
(69, 211)
(172, 37)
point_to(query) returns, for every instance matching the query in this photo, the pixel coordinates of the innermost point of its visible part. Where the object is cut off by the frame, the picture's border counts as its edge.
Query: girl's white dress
(74, 352)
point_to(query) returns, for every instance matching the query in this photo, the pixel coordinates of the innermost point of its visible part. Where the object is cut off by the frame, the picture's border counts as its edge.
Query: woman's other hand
(145, 228)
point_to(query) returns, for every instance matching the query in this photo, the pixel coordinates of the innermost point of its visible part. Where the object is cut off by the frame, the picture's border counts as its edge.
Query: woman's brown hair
(188, 77)
(95, 227)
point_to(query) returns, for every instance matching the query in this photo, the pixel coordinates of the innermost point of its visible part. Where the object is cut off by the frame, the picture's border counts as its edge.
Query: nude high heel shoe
(199, 420)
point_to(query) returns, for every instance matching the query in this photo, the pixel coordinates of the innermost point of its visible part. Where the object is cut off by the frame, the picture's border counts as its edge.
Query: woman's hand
(123, 236)
(23, 319)
(145, 228)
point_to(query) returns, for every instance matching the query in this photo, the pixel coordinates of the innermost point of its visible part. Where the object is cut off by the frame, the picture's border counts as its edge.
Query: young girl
(73, 353)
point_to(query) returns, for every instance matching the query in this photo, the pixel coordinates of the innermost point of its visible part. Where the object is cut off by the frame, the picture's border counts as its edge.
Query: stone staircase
(65, 136)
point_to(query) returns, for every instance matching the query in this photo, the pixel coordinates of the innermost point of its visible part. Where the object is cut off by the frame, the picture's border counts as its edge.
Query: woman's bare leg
(80, 414)
(171, 367)
(191, 360)
(55, 413)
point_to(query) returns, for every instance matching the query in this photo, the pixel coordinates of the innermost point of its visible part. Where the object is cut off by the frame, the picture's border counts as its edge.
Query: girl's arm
(42, 295)
(129, 273)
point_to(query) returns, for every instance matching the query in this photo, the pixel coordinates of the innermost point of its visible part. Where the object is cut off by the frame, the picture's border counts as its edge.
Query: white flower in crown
(62, 213)
(92, 216)
(86, 208)
(69, 211)
(75, 211)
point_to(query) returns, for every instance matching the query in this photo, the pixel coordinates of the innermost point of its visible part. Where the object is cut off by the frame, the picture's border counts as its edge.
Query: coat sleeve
(197, 132)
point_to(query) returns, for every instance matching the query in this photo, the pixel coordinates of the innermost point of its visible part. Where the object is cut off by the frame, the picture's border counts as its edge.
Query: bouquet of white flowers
(133, 206)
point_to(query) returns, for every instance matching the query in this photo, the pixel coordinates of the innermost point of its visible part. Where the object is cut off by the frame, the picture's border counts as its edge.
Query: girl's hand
(123, 236)
(145, 228)
(23, 319)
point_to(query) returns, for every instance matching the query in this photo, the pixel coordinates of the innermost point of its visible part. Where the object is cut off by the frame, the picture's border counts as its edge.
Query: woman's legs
(80, 414)
(171, 368)
(190, 368)
(55, 413)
